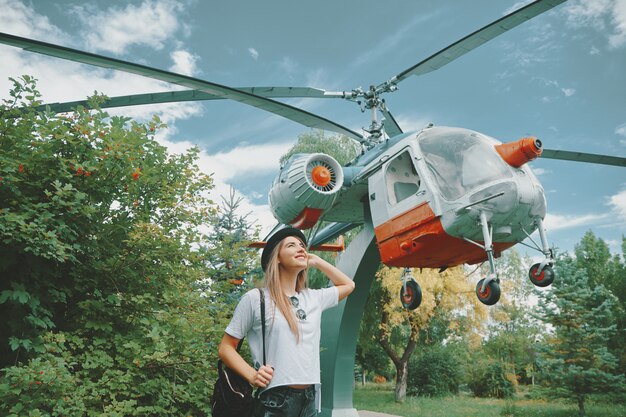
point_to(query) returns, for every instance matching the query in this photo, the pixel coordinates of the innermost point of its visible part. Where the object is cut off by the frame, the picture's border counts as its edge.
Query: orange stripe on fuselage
(416, 238)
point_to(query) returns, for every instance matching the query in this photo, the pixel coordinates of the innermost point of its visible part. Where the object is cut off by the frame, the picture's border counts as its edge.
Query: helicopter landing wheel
(411, 295)
(543, 279)
(490, 295)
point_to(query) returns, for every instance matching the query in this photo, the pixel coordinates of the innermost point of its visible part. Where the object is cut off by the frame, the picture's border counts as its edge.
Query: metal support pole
(340, 326)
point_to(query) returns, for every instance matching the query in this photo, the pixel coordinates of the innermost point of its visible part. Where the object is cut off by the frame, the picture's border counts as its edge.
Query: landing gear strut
(488, 288)
(542, 274)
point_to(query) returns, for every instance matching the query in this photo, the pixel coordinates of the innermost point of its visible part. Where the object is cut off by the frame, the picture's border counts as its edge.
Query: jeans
(288, 402)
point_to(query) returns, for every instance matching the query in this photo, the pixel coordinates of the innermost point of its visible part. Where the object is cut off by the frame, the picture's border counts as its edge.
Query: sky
(560, 77)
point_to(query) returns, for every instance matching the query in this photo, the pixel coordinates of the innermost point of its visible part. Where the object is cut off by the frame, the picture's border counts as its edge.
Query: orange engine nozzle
(321, 176)
(519, 152)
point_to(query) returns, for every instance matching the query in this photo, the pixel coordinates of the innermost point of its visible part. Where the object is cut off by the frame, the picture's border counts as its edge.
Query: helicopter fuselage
(427, 198)
(425, 192)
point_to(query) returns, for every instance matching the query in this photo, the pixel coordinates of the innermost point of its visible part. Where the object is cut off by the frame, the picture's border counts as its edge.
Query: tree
(100, 254)
(575, 359)
(512, 330)
(447, 298)
(229, 258)
(340, 147)
(593, 256)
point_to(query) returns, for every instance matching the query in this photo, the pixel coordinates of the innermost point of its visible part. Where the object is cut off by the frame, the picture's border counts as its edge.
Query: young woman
(291, 376)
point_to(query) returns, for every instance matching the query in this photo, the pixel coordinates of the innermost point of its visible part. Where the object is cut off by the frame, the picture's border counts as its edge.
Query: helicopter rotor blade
(391, 125)
(477, 38)
(584, 157)
(289, 112)
(195, 95)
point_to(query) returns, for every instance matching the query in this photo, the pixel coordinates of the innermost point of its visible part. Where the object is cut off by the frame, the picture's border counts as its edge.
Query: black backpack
(232, 394)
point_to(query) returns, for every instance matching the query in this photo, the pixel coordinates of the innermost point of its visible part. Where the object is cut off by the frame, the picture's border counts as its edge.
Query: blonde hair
(272, 283)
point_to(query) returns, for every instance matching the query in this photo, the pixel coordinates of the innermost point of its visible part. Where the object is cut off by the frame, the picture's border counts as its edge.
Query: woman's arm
(343, 283)
(227, 352)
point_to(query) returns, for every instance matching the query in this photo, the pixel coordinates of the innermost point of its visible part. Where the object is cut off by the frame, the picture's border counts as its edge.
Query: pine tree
(575, 359)
(594, 256)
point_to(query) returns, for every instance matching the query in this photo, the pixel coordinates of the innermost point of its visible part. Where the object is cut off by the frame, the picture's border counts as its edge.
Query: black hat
(275, 239)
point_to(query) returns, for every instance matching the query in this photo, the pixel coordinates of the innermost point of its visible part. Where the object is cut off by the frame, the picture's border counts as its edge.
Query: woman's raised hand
(313, 260)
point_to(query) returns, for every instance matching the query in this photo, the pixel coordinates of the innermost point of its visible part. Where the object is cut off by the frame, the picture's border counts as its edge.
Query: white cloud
(61, 80)
(408, 123)
(253, 53)
(184, 62)
(617, 203)
(391, 41)
(541, 171)
(568, 92)
(621, 130)
(588, 13)
(247, 160)
(224, 166)
(618, 38)
(558, 221)
(516, 6)
(117, 28)
(289, 66)
(600, 15)
(19, 19)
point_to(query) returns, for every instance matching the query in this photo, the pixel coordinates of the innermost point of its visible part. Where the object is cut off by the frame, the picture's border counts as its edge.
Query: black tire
(412, 297)
(545, 278)
(491, 295)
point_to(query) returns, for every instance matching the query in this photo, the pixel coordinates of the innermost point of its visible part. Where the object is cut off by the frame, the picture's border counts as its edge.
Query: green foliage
(575, 359)
(101, 259)
(594, 257)
(491, 378)
(228, 257)
(370, 356)
(340, 147)
(435, 371)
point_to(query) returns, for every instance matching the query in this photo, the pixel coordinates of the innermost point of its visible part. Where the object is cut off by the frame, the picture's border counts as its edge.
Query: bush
(100, 256)
(491, 379)
(435, 372)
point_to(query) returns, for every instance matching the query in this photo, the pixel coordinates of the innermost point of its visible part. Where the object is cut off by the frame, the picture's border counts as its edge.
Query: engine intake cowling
(306, 186)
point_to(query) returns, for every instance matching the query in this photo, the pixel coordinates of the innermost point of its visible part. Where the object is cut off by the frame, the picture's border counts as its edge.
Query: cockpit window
(401, 178)
(462, 161)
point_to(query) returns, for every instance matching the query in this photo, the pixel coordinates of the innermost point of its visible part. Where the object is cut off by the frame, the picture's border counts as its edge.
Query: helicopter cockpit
(463, 162)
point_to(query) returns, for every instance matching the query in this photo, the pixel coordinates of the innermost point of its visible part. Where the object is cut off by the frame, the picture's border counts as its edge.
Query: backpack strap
(263, 322)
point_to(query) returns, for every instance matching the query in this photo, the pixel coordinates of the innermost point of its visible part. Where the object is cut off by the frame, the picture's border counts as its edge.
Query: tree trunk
(581, 406)
(401, 362)
(402, 373)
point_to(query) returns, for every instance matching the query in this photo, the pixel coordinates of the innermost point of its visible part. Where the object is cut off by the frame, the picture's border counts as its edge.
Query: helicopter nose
(519, 152)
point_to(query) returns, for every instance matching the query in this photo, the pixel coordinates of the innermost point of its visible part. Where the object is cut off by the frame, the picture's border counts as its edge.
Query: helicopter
(438, 197)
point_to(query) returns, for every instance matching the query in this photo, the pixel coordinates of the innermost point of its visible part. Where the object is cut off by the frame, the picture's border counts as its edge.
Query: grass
(380, 397)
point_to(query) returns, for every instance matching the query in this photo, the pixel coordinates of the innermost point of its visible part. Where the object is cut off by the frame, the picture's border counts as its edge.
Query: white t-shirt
(295, 362)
